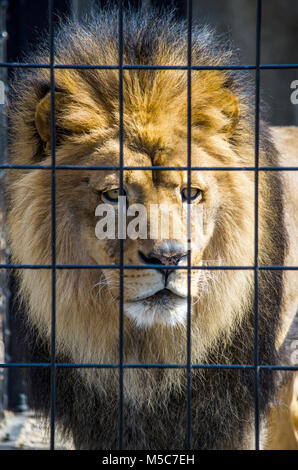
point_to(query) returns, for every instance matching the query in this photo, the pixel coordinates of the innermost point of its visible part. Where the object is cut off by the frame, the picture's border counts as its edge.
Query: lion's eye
(195, 194)
(112, 195)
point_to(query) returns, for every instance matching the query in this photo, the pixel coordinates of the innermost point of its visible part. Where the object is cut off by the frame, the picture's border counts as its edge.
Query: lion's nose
(166, 254)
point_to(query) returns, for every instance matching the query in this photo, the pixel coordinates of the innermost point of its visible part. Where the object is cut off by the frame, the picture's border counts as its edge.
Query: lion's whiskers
(106, 280)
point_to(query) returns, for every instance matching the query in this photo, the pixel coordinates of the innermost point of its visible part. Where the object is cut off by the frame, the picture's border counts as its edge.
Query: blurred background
(22, 22)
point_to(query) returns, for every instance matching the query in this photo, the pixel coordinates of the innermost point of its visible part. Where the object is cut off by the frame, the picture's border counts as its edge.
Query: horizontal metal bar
(7, 166)
(144, 366)
(147, 67)
(140, 266)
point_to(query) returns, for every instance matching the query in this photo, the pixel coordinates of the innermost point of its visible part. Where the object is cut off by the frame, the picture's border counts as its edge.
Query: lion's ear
(43, 114)
(231, 108)
(220, 113)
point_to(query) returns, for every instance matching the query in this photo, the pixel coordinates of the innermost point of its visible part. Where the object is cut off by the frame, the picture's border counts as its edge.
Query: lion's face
(160, 237)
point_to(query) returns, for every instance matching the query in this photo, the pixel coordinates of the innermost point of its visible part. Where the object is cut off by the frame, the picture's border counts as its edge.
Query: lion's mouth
(162, 297)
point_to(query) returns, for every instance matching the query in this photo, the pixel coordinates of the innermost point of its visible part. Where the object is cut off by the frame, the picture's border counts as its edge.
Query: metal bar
(145, 366)
(121, 141)
(256, 254)
(53, 227)
(149, 168)
(189, 61)
(140, 266)
(148, 67)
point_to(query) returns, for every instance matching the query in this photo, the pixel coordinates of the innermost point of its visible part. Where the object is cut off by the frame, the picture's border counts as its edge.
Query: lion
(156, 316)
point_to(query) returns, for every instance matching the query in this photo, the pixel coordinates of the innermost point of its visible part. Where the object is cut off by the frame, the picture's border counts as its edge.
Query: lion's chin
(163, 308)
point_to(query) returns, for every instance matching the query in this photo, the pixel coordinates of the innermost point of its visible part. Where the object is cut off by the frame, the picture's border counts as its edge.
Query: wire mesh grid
(53, 365)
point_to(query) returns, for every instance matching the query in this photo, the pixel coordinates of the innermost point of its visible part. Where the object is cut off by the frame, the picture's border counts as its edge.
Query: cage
(272, 66)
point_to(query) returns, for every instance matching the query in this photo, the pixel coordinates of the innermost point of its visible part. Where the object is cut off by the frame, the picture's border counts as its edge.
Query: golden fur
(155, 130)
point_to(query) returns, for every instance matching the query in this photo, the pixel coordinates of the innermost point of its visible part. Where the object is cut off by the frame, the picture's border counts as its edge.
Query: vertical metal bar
(121, 139)
(189, 51)
(256, 252)
(4, 281)
(53, 231)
